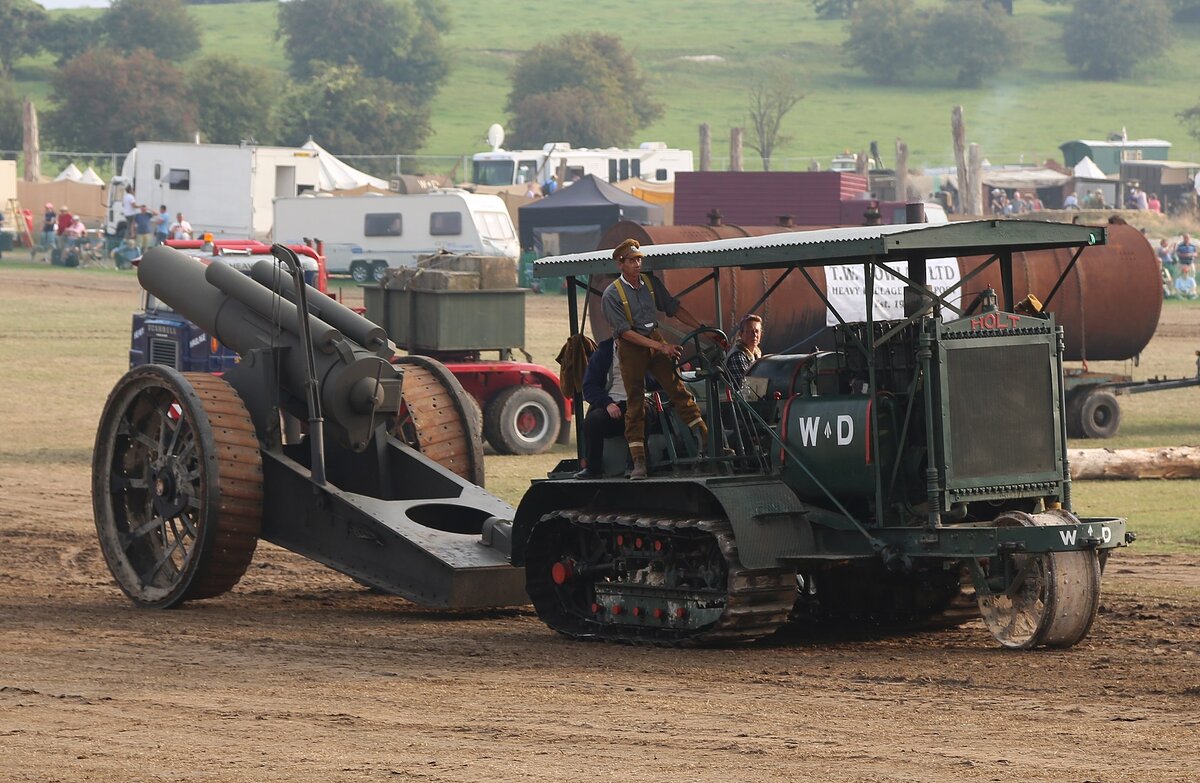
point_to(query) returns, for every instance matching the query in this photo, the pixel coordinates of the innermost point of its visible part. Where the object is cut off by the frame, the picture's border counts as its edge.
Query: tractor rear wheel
(1053, 597)
(176, 486)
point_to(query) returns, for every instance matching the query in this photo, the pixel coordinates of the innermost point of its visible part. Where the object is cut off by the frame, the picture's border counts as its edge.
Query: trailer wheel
(379, 271)
(521, 420)
(1074, 412)
(360, 271)
(1100, 415)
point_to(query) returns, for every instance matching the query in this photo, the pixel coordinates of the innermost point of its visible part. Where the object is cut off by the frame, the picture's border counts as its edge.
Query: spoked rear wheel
(1053, 597)
(176, 486)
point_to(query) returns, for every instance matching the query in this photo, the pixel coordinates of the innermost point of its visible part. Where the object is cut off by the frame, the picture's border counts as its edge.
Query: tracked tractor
(921, 461)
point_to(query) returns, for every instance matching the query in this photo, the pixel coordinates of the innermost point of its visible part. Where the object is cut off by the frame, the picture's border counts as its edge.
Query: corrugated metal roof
(839, 246)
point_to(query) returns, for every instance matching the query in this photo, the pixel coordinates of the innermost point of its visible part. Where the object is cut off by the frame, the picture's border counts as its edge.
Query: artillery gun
(884, 480)
(191, 469)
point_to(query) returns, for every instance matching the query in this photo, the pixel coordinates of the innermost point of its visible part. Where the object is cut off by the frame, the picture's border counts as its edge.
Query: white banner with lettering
(846, 291)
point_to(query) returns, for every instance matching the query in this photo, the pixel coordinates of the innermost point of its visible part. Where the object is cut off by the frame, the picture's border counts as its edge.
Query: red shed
(759, 198)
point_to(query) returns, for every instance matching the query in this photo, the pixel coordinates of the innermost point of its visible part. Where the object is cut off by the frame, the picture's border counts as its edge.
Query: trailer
(222, 189)
(1093, 410)
(651, 160)
(366, 235)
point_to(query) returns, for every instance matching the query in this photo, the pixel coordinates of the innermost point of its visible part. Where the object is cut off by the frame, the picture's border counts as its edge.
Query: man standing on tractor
(631, 305)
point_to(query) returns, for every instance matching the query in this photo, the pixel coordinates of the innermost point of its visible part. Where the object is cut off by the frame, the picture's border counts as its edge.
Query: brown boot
(639, 469)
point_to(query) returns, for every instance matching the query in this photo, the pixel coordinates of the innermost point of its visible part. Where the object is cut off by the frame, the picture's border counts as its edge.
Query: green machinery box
(417, 320)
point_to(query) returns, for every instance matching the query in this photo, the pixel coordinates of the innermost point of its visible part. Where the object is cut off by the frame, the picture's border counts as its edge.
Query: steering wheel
(706, 360)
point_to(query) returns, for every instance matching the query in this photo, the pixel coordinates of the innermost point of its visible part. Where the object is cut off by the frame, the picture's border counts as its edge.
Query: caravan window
(527, 171)
(179, 179)
(494, 225)
(492, 172)
(445, 224)
(383, 224)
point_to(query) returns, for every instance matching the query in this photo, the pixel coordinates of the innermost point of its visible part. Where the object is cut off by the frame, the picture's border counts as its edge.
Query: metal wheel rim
(531, 413)
(158, 480)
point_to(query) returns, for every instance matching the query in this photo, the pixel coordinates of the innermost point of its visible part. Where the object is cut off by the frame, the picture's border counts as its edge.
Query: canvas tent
(336, 175)
(573, 218)
(90, 177)
(70, 174)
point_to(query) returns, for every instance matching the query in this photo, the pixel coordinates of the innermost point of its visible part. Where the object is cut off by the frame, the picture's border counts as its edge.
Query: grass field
(1020, 115)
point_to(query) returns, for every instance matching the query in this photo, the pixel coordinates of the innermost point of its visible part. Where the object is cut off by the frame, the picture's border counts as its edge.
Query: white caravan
(652, 161)
(222, 189)
(364, 235)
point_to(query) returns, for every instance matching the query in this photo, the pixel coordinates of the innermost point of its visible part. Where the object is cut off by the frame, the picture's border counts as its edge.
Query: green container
(6, 241)
(449, 320)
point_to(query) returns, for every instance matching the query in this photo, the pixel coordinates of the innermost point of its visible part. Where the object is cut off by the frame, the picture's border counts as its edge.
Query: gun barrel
(358, 388)
(369, 335)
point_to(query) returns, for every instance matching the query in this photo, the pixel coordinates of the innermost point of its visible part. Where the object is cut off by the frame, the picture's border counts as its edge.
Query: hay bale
(494, 271)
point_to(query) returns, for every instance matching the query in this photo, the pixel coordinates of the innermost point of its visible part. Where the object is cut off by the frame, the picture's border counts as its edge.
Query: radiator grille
(1001, 411)
(164, 352)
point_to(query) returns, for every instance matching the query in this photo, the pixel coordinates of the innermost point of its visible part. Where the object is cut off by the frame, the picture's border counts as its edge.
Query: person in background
(65, 219)
(745, 350)
(162, 225)
(143, 228)
(1185, 251)
(1035, 202)
(129, 208)
(181, 229)
(1165, 253)
(1153, 203)
(49, 226)
(124, 254)
(1071, 201)
(1185, 284)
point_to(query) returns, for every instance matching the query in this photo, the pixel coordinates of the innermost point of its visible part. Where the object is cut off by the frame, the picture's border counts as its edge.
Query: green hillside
(1019, 115)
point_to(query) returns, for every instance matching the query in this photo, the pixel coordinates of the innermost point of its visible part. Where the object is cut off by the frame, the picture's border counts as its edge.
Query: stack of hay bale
(452, 272)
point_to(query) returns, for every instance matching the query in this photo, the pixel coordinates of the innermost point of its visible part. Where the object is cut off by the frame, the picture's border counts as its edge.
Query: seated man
(745, 350)
(604, 390)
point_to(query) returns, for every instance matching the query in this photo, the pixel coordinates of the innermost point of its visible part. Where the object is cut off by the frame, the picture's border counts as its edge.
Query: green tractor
(918, 461)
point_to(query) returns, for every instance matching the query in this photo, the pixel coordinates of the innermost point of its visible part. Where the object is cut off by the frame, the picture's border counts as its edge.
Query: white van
(364, 235)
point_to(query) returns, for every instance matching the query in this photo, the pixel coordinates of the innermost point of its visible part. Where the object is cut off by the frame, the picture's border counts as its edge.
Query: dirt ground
(300, 675)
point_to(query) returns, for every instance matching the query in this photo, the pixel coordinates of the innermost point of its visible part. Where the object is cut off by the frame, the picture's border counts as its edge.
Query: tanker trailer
(868, 482)
(1108, 305)
(191, 469)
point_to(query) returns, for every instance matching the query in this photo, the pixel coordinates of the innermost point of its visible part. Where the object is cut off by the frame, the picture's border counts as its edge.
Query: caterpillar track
(647, 579)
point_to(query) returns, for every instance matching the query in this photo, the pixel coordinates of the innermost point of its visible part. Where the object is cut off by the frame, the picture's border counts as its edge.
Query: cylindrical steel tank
(1109, 305)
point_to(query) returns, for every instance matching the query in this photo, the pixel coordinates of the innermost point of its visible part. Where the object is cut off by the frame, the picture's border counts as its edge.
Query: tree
(109, 101)
(234, 101)
(772, 96)
(833, 9)
(399, 40)
(347, 111)
(19, 24)
(162, 26)
(12, 131)
(583, 88)
(972, 38)
(885, 38)
(1107, 39)
(67, 35)
(1190, 118)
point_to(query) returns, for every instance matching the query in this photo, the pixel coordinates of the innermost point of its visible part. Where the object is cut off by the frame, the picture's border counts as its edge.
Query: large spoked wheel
(176, 486)
(1052, 598)
(522, 420)
(439, 418)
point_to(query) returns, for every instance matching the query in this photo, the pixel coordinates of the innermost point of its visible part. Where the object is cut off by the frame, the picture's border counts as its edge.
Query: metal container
(449, 320)
(1109, 305)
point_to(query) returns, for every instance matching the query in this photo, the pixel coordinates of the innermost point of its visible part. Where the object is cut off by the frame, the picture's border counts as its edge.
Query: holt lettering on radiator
(994, 321)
